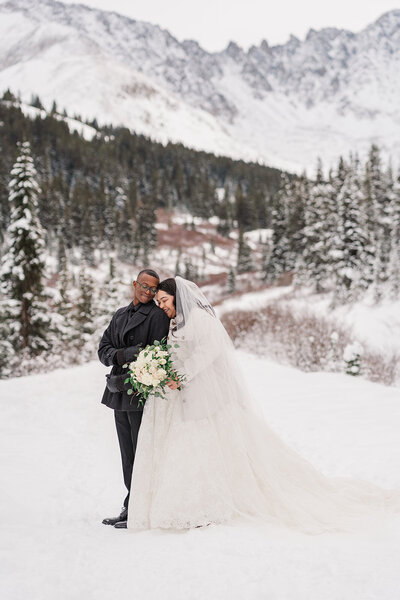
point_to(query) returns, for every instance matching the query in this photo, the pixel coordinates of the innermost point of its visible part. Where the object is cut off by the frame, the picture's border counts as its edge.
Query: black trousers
(128, 425)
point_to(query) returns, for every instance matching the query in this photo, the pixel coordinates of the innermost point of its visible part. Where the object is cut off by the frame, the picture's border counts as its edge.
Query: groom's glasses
(146, 288)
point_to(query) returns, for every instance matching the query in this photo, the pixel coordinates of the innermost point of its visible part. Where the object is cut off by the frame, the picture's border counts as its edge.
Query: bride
(206, 455)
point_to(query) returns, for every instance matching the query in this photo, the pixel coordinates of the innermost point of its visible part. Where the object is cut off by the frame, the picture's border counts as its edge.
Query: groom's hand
(127, 355)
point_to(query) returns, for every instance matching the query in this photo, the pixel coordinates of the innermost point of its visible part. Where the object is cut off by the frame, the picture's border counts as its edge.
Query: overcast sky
(213, 23)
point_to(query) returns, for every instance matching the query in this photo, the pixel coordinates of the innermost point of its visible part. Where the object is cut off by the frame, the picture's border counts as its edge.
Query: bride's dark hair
(169, 286)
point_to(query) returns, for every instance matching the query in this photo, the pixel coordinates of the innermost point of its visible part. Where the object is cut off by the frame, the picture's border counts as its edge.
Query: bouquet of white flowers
(151, 371)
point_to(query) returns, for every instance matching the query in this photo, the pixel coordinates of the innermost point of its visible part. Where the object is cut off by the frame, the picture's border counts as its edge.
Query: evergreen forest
(338, 232)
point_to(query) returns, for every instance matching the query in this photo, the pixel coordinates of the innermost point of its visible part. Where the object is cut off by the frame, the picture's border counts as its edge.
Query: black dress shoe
(121, 525)
(112, 520)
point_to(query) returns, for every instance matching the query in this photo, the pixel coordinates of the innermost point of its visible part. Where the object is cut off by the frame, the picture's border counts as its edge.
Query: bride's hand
(173, 385)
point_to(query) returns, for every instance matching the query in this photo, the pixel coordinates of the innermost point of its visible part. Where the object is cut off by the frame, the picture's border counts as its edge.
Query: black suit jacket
(128, 332)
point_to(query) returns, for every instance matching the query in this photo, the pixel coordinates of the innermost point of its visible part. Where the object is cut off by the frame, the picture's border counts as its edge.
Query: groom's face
(144, 288)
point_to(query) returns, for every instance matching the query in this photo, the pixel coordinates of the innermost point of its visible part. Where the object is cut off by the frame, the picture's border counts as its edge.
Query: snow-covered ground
(61, 474)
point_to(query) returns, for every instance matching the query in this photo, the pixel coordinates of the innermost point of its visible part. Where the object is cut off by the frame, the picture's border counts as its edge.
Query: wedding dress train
(206, 455)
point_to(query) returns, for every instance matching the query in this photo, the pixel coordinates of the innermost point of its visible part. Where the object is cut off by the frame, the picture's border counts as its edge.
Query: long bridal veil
(206, 453)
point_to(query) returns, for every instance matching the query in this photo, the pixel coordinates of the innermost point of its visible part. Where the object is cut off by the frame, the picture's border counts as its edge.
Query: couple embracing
(204, 453)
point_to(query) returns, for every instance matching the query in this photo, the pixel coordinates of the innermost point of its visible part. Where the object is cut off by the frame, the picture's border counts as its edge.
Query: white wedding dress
(206, 455)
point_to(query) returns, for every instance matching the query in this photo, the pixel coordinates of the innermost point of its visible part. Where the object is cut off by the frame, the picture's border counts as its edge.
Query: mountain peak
(234, 51)
(284, 104)
(389, 22)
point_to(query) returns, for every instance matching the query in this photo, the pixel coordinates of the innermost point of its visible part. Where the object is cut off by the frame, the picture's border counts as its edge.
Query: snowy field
(61, 475)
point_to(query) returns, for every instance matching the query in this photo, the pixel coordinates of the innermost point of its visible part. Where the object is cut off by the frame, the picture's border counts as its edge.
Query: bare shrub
(382, 369)
(304, 340)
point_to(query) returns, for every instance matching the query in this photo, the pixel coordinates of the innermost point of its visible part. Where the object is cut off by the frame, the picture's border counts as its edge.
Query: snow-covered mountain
(334, 92)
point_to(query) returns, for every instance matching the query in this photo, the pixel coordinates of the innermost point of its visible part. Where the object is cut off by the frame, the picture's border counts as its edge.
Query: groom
(132, 328)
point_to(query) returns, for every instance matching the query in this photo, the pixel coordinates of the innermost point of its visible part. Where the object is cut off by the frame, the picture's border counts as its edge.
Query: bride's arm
(207, 338)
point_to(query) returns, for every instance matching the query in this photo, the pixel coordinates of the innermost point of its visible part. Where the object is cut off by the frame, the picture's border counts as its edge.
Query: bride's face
(166, 303)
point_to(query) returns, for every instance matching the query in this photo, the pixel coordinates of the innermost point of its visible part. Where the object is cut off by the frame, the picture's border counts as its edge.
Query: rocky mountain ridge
(333, 92)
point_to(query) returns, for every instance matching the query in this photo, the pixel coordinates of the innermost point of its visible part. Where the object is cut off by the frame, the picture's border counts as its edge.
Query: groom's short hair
(148, 272)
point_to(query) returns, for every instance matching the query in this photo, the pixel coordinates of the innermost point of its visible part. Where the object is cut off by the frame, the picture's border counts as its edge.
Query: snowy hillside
(376, 326)
(333, 92)
(60, 471)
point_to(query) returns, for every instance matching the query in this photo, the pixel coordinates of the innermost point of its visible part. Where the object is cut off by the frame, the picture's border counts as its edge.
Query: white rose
(139, 361)
(147, 379)
(161, 374)
(140, 374)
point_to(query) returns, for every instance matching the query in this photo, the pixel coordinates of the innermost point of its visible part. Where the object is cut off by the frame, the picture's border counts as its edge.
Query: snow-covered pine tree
(87, 239)
(352, 357)
(22, 265)
(64, 304)
(110, 238)
(78, 197)
(352, 233)
(8, 355)
(325, 201)
(373, 184)
(83, 314)
(279, 258)
(109, 298)
(301, 276)
(394, 272)
(244, 259)
(224, 212)
(315, 233)
(178, 271)
(374, 187)
(329, 215)
(62, 322)
(124, 223)
(244, 209)
(384, 208)
(266, 250)
(337, 179)
(231, 281)
(379, 280)
(396, 209)
(298, 194)
(61, 252)
(394, 264)
(191, 270)
(145, 238)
